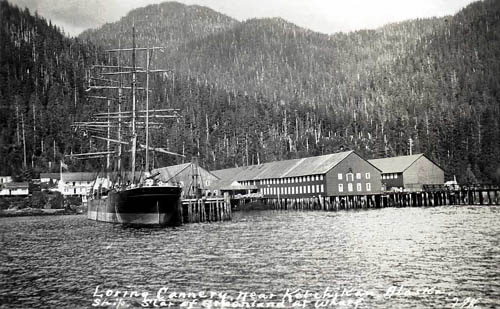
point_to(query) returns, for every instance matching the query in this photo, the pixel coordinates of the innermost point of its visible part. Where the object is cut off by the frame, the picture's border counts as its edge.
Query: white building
(77, 184)
(50, 177)
(5, 179)
(14, 189)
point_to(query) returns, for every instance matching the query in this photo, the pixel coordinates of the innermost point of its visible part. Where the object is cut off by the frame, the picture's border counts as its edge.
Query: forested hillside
(41, 91)
(273, 90)
(265, 89)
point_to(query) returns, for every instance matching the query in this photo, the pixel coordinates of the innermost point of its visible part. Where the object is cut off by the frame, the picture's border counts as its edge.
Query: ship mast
(147, 110)
(134, 135)
(134, 119)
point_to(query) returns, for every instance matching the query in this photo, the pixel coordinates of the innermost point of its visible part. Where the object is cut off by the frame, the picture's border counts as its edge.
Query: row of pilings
(393, 199)
(205, 210)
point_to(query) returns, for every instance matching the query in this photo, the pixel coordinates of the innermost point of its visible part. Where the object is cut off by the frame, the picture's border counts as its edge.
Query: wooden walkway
(469, 196)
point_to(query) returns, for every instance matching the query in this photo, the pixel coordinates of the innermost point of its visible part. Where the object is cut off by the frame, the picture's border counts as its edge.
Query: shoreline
(31, 212)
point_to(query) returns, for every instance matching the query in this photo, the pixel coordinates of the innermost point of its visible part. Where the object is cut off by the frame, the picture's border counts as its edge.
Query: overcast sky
(326, 16)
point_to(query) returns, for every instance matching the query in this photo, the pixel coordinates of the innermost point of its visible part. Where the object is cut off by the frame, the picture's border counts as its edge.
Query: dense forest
(41, 92)
(265, 89)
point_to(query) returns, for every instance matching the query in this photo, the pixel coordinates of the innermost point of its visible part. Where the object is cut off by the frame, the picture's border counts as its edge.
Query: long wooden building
(344, 173)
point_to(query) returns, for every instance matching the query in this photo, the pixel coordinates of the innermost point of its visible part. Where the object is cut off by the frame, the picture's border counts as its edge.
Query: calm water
(388, 258)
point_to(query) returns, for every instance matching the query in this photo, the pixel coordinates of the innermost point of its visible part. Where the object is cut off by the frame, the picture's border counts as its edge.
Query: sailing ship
(129, 198)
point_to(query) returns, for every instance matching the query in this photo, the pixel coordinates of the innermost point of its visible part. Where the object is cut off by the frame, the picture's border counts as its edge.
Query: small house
(5, 179)
(15, 189)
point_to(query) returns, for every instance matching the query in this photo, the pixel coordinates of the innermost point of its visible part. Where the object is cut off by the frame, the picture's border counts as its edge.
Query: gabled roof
(396, 164)
(182, 174)
(282, 169)
(168, 172)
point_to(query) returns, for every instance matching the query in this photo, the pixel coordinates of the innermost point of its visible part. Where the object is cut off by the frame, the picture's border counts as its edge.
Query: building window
(395, 176)
(320, 177)
(349, 175)
(309, 189)
(313, 189)
(367, 175)
(340, 176)
(358, 175)
(322, 188)
(349, 187)
(317, 189)
(358, 187)
(341, 187)
(368, 186)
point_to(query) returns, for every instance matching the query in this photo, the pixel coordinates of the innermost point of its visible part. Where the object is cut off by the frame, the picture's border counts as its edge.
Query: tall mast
(108, 144)
(134, 135)
(147, 109)
(120, 93)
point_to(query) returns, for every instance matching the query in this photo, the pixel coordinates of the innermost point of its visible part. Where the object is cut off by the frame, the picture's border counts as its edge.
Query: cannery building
(409, 173)
(338, 174)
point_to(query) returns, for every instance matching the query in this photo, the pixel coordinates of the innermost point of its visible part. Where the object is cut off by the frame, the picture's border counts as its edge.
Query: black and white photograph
(208, 154)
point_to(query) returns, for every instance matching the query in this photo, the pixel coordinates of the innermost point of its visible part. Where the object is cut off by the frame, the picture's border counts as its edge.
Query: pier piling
(489, 195)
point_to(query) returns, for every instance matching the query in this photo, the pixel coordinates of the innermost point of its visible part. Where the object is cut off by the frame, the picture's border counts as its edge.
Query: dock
(205, 210)
(484, 195)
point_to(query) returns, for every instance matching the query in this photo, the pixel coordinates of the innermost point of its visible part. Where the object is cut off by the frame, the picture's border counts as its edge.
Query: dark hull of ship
(142, 206)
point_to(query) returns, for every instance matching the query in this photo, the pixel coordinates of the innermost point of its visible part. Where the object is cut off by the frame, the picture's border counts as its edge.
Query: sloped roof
(16, 185)
(78, 176)
(183, 172)
(395, 164)
(50, 175)
(281, 169)
(168, 172)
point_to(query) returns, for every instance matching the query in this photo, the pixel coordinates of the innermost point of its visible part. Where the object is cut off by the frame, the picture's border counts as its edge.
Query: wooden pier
(467, 196)
(205, 210)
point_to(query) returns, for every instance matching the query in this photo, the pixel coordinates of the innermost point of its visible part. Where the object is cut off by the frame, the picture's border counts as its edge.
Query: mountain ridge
(265, 89)
(378, 86)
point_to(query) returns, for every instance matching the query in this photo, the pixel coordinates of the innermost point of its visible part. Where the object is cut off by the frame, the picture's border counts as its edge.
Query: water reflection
(59, 261)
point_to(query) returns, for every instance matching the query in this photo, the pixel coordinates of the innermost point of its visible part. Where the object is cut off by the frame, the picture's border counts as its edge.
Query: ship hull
(143, 206)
